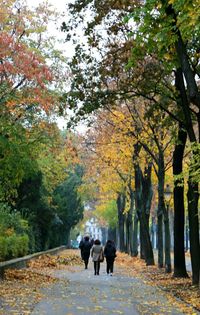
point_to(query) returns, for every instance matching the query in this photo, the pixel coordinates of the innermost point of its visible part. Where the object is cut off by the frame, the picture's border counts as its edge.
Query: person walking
(97, 255)
(85, 247)
(110, 254)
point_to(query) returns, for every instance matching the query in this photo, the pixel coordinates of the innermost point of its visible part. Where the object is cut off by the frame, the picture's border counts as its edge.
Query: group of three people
(97, 253)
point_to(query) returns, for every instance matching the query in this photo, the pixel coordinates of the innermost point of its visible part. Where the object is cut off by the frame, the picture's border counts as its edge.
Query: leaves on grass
(67, 258)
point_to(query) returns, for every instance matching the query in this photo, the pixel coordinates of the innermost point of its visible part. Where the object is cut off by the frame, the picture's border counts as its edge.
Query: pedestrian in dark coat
(96, 253)
(110, 254)
(85, 247)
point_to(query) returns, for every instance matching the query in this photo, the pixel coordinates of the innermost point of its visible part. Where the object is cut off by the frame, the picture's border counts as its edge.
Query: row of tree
(39, 172)
(137, 69)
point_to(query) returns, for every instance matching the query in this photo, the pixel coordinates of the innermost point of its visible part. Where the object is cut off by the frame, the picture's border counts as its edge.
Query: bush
(14, 240)
(13, 246)
(23, 243)
(3, 248)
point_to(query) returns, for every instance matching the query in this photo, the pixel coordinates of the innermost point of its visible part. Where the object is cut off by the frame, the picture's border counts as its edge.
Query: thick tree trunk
(141, 207)
(179, 252)
(193, 194)
(121, 202)
(146, 239)
(142, 242)
(193, 197)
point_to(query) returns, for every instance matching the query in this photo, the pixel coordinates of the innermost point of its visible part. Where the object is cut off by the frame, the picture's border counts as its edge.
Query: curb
(21, 262)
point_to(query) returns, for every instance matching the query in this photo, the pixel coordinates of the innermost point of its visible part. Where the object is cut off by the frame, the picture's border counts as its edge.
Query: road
(87, 294)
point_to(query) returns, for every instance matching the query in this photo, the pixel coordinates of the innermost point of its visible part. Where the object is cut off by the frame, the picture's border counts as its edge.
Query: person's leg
(98, 267)
(111, 266)
(95, 267)
(107, 266)
(86, 263)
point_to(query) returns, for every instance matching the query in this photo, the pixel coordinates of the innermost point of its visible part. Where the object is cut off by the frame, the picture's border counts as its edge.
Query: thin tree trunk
(135, 236)
(127, 235)
(163, 210)
(130, 222)
(168, 267)
(160, 238)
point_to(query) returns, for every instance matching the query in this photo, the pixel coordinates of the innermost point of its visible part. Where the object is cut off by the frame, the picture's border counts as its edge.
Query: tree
(68, 206)
(176, 47)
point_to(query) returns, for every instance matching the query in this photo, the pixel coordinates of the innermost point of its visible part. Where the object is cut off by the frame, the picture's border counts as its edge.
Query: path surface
(86, 294)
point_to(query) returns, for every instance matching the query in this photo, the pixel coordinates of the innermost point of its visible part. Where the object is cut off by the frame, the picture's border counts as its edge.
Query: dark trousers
(86, 263)
(96, 267)
(109, 265)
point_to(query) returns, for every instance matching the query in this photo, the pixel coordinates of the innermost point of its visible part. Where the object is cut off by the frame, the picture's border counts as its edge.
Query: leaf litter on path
(174, 288)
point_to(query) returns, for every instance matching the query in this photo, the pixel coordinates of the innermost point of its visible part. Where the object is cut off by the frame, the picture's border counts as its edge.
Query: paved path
(87, 294)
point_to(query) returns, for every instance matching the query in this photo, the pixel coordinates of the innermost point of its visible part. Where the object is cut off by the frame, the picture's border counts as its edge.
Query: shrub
(23, 242)
(3, 248)
(14, 240)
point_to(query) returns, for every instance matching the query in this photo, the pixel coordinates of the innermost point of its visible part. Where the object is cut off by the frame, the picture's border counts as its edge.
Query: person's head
(109, 242)
(97, 242)
(86, 238)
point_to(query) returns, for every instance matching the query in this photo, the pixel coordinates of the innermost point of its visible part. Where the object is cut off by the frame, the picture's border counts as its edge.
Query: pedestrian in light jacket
(110, 254)
(96, 252)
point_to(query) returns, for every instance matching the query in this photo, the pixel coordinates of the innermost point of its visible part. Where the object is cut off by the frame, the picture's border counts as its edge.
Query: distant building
(93, 229)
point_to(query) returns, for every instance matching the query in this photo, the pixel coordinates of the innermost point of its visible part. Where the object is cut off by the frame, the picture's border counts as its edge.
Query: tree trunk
(168, 267)
(127, 236)
(121, 201)
(194, 97)
(130, 222)
(162, 210)
(140, 206)
(142, 242)
(179, 252)
(160, 238)
(146, 239)
(193, 197)
(192, 194)
(134, 252)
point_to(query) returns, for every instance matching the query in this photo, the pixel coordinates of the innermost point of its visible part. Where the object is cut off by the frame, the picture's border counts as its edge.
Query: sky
(60, 5)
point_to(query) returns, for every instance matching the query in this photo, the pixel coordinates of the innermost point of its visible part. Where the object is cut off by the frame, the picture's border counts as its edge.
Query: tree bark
(160, 238)
(134, 252)
(193, 197)
(142, 242)
(140, 207)
(193, 193)
(121, 202)
(130, 222)
(162, 210)
(168, 266)
(179, 251)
